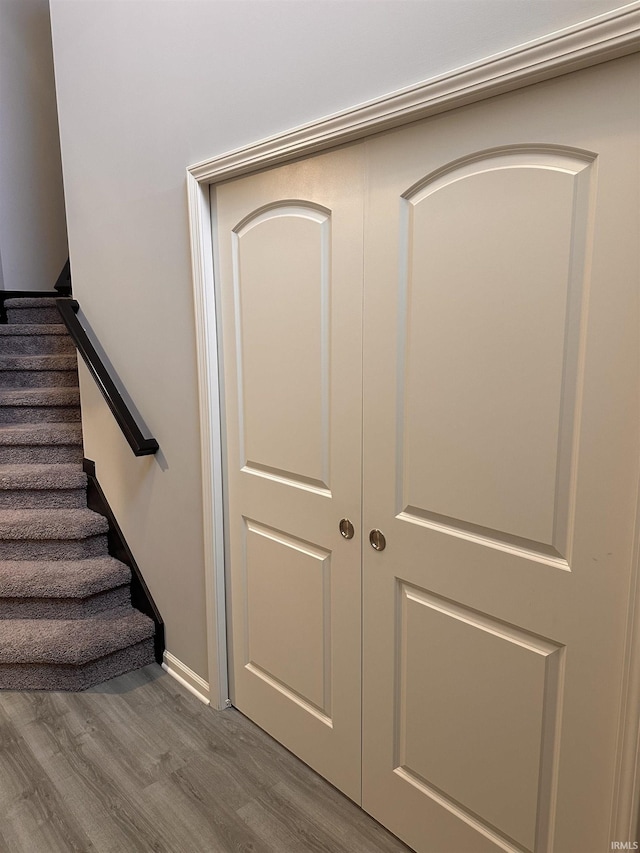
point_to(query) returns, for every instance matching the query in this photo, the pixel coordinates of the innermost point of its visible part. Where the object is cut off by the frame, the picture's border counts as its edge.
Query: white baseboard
(187, 677)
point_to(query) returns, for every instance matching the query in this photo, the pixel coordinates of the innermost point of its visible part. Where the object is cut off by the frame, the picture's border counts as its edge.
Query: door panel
(290, 274)
(501, 463)
(288, 584)
(283, 387)
(490, 688)
(483, 367)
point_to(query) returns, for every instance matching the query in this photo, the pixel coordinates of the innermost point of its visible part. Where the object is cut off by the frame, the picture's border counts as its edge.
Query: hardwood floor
(139, 764)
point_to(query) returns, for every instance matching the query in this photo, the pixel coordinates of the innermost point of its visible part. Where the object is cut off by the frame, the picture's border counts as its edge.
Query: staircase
(66, 620)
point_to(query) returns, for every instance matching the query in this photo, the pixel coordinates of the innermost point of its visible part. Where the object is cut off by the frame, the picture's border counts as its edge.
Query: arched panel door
(501, 465)
(290, 276)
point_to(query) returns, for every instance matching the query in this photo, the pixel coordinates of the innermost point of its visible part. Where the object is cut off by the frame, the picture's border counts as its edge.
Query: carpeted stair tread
(29, 676)
(53, 549)
(20, 311)
(65, 607)
(33, 476)
(23, 339)
(38, 363)
(31, 329)
(61, 578)
(40, 396)
(38, 444)
(41, 434)
(72, 641)
(48, 524)
(30, 302)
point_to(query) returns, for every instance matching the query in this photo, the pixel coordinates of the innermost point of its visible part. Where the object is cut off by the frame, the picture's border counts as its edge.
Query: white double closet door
(434, 333)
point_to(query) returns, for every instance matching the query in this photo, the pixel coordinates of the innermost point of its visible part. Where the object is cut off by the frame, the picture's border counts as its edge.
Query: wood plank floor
(139, 764)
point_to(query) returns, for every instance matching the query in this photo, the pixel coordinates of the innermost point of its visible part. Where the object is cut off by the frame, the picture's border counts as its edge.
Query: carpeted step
(40, 443)
(32, 310)
(65, 608)
(53, 549)
(38, 371)
(58, 578)
(71, 641)
(66, 361)
(52, 534)
(51, 523)
(73, 654)
(33, 486)
(41, 405)
(33, 339)
(29, 676)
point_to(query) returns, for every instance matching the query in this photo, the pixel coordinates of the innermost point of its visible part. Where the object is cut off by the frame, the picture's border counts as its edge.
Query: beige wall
(33, 233)
(144, 90)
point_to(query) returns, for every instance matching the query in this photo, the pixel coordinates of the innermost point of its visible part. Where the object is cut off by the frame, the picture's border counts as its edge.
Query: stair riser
(36, 345)
(53, 549)
(64, 608)
(64, 677)
(39, 414)
(43, 498)
(38, 316)
(39, 454)
(38, 378)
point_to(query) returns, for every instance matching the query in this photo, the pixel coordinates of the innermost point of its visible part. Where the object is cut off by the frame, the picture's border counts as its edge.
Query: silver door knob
(378, 542)
(346, 529)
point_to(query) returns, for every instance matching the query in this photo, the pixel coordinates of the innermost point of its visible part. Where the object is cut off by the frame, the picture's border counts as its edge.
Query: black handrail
(141, 445)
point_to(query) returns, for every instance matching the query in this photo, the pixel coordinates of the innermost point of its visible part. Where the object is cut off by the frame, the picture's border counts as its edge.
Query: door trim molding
(599, 39)
(209, 396)
(591, 42)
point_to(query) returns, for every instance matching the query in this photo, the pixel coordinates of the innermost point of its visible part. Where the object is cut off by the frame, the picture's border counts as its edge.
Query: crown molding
(599, 39)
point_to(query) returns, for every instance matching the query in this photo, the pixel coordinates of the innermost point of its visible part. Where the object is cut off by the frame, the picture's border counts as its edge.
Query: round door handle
(377, 540)
(346, 529)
